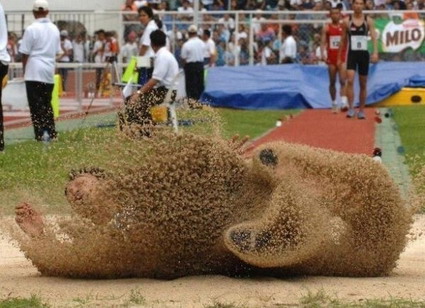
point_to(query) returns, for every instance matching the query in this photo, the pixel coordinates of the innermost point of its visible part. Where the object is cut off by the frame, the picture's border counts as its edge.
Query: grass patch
(411, 127)
(136, 298)
(32, 302)
(321, 299)
(251, 123)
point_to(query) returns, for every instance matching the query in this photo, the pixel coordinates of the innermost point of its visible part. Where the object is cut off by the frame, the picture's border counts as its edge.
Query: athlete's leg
(332, 88)
(332, 81)
(342, 75)
(350, 92)
(362, 95)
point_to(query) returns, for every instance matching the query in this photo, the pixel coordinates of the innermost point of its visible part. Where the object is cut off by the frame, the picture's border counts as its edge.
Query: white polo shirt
(288, 49)
(145, 40)
(210, 49)
(193, 50)
(4, 55)
(41, 42)
(67, 46)
(165, 69)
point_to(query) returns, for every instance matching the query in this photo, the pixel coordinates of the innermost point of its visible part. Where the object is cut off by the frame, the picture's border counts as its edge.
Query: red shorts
(333, 57)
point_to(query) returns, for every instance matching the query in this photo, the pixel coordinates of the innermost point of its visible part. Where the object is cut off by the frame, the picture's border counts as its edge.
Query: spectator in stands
(267, 55)
(4, 67)
(221, 50)
(186, 8)
(223, 33)
(99, 55)
(80, 47)
(217, 5)
(65, 57)
(275, 26)
(207, 4)
(210, 53)
(40, 46)
(288, 50)
(193, 57)
(12, 47)
(131, 19)
(265, 33)
(243, 52)
(241, 33)
(112, 48)
(257, 21)
(130, 48)
(129, 6)
(370, 6)
(228, 22)
(335, 3)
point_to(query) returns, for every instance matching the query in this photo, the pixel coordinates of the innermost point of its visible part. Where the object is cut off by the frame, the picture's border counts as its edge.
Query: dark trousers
(64, 75)
(3, 72)
(99, 73)
(144, 75)
(39, 100)
(194, 78)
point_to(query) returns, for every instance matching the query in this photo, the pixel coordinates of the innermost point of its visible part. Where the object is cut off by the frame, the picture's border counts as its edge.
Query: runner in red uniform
(331, 38)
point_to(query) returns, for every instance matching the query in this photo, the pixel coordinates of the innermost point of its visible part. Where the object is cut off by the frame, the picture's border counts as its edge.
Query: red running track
(323, 129)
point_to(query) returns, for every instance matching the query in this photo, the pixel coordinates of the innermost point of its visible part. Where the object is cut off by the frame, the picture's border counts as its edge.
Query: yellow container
(159, 114)
(405, 97)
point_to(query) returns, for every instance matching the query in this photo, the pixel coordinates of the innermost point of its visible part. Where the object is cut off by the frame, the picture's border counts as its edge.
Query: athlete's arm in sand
(323, 43)
(374, 57)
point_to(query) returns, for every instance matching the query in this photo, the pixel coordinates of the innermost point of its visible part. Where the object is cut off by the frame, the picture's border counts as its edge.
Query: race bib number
(334, 41)
(358, 42)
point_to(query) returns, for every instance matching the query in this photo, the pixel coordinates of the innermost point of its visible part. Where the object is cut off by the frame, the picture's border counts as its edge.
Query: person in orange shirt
(330, 41)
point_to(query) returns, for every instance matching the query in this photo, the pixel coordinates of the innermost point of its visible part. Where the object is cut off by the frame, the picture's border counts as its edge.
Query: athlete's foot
(361, 115)
(29, 220)
(335, 108)
(351, 113)
(344, 104)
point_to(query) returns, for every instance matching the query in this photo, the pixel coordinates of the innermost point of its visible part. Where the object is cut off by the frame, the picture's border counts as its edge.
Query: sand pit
(18, 278)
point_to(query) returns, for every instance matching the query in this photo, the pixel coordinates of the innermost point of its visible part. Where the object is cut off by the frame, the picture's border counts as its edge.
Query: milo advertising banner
(400, 35)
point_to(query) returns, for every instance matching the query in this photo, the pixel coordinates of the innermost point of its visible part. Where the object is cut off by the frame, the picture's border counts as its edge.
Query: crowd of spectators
(231, 35)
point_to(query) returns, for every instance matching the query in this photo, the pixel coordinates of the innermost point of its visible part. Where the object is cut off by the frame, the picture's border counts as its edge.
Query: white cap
(192, 29)
(40, 5)
(64, 33)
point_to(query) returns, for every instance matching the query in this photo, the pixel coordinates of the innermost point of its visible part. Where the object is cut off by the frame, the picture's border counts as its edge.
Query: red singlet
(333, 38)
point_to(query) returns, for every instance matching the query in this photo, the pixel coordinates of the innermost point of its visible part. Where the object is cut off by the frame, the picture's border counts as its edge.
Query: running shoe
(335, 108)
(344, 103)
(361, 115)
(351, 113)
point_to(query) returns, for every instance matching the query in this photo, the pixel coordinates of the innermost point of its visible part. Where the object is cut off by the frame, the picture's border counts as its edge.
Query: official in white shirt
(210, 52)
(136, 114)
(39, 48)
(288, 50)
(151, 24)
(4, 66)
(192, 54)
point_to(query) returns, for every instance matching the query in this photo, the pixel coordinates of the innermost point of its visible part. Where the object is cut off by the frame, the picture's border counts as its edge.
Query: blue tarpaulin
(300, 86)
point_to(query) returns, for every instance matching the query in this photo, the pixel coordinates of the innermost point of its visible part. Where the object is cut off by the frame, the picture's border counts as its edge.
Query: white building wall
(67, 5)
